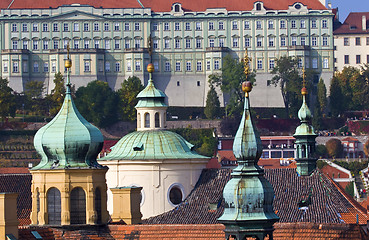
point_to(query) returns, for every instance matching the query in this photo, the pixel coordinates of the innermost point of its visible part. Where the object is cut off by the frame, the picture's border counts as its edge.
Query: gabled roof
(166, 5)
(353, 24)
(314, 199)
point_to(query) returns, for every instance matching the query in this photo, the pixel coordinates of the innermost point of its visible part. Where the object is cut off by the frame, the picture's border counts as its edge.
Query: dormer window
(176, 8)
(258, 6)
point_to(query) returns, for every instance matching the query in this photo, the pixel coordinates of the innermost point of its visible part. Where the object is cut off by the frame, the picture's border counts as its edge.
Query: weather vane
(68, 48)
(246, 61)
(303, 77)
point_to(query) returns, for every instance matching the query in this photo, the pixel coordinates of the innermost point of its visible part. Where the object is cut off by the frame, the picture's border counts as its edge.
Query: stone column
(65, 205)
(8, 215)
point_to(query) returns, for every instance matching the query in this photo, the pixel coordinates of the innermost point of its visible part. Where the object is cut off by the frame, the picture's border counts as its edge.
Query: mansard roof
(166, 5)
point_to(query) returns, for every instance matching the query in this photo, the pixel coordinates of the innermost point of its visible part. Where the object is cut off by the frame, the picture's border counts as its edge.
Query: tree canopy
(212, 108)
(334, 147)
(128, 98)
(35, 101)
(97, 103)
(57, 95)
(7, 100)
(230, 81)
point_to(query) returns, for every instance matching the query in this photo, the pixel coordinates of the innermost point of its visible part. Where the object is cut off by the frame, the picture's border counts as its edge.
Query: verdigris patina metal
(248, 196)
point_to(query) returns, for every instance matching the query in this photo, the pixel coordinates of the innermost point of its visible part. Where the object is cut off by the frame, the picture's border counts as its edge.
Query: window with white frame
(127, 43)
(116, 43)
(346, 41)
(198, 43)
(55, 27)
(216, 64)
(247, 25)
(76, 43)
(221, 25)
(271, 41)
(96, 26)
(187, 26)
(129, 66)
(271, 64)
(117, 66)
(35, 27)
(314, 41)
(221, 42)
(258, 25)
(198, 26)
(324, 23)
(75, 27)
(303, 41)
(270, 24)
(283, 41)
(107, 66)
(177, 26)
(106, 26)
(127, 26)
(5, 67)
(56, 44)
(137, 26)
(155, 27)
(15, 67)
(45, 45)
(86, 43)
(14, 27)
(208, 67)
(45, 27)
(167, 43)
(87, 65)
(65, 27)
(188, 66)
(259, 42)
(302, 24)
(15, 44)
(211, 26)
(25, 44)
(247, 42)
(167, 66)
(35, 67)
(188, 42)
(166, 26)
(86, 27)
(282, 24)
(293, 40)
(137, 43)
(116, 26)
(138, 65)
(155, 44)
(177, 43)
(315, 63)
(97, 43)
(325, 41)
(313, 23)
(211, 42)
(293, 23)
(235, 41)
(199, 66)
(53, 66)
(107, 43)
(178, 66)
(234, 25)
(325, 63)
(35, 44)
(24, 27)
(259, 64)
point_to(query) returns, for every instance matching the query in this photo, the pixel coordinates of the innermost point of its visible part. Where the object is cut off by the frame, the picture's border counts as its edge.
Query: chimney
(329, 5)
(363, 22)
(126, 204)
(8, 215)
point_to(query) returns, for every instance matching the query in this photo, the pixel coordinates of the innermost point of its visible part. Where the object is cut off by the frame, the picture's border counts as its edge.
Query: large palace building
(109, 42)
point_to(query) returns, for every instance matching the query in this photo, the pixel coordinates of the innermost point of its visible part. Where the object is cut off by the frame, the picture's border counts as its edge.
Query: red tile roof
(353, 24)
(14, 170)
(350, 139)
(165, 5)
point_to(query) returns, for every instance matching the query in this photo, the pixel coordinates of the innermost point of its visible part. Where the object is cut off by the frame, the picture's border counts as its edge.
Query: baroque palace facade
(109, 42)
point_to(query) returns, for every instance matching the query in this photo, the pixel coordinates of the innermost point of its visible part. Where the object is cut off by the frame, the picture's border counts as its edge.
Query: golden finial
(68, 62)
(246, 61)
(303, 90)
(246, 88)
(150, 68)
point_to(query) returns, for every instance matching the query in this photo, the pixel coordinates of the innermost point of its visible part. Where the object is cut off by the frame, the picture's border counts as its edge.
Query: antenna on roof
(137, 1)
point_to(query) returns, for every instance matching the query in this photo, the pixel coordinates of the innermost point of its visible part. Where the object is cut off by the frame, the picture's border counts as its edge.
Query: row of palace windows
(358, 59)
(75, 27)
(167, 43)
(221, 25)
(167, 26)
(77, 206)
(346, 41)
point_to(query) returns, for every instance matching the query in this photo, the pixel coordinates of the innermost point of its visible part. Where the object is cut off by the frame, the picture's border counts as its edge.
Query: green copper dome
(151, 96)
(304, 115)
(154, 144)
(68, 140)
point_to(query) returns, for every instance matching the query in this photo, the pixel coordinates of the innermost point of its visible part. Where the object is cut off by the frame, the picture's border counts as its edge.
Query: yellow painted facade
(8, 215)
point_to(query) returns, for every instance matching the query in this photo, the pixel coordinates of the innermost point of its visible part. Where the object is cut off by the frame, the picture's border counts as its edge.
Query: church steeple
(305, 137)
(248, 196)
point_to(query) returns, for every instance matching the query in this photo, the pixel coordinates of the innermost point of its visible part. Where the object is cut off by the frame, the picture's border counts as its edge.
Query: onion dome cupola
(248, 210)
(151, 107)
(305, 138)
(68, 140)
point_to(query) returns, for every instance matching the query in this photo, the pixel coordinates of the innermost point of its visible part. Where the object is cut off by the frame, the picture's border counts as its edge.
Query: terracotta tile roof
(165, 5)
(14, 170)
(353, 24)
(325, 202)
(274, 164)
(226, 155)
(213, 163)
(21, 184)
(349, 139)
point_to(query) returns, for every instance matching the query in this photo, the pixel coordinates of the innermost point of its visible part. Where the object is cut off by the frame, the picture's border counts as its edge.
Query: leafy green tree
(289, 81)
(57, 95)
(98, 103)
(336, 98)
(317, 119)
(128, 97)
(365, 89)
(33, 92)
(349, 189)
(322, 96)
(230, 81)
(7, 100)
(212, 108)
(321, 151)
(334, 147)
